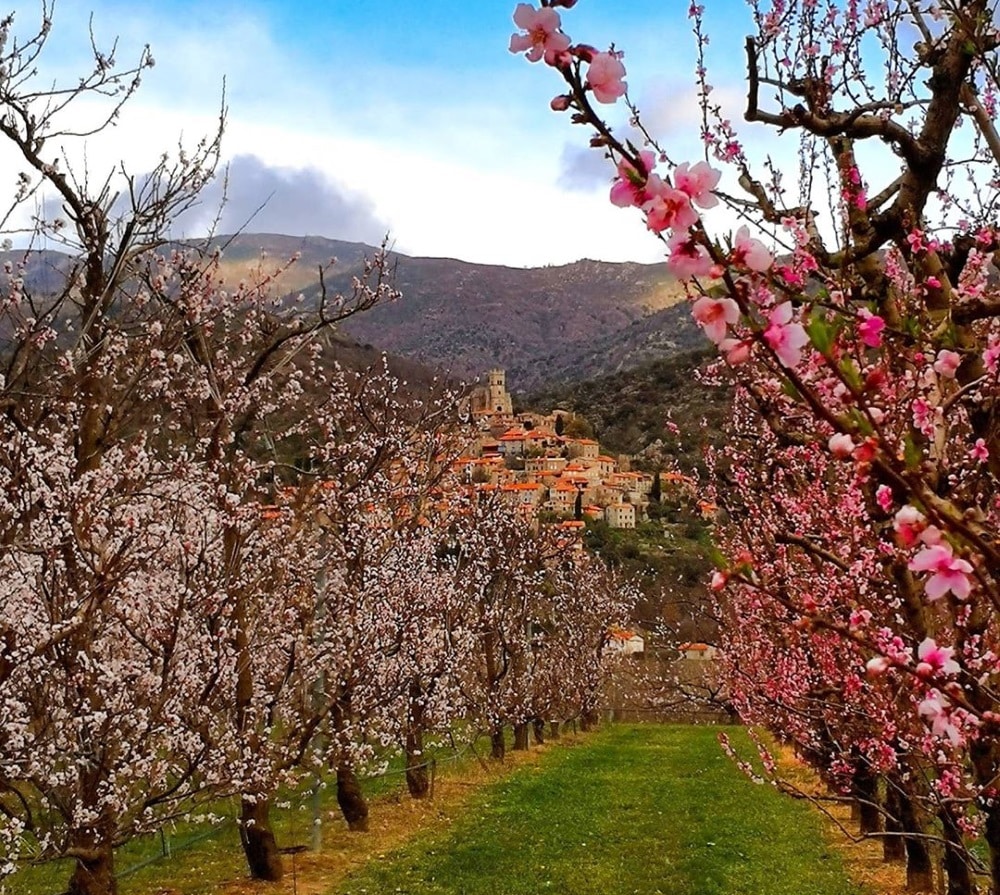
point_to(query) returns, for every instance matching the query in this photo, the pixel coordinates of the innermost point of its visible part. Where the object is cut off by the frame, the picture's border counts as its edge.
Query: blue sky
(411, 117)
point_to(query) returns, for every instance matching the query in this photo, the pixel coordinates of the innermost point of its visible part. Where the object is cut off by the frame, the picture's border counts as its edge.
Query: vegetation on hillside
(664, 401)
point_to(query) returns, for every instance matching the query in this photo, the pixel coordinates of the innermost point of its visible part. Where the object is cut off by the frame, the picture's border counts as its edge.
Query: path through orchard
(634, 809)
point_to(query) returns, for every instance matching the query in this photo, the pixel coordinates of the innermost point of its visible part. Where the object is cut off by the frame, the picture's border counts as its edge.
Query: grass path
(645, 810)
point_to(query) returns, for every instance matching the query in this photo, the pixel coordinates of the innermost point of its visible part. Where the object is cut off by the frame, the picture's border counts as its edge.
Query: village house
(544, 464)
(626, 642)
(697, 652)
(620, 515)
(583, 447)
(527, 494)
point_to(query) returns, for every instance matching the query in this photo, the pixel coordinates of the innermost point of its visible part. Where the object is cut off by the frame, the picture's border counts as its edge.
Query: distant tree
(560, 424)
(579, 427)
(656, 491)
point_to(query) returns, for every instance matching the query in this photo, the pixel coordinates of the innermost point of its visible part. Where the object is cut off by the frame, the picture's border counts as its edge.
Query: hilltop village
(542, 466)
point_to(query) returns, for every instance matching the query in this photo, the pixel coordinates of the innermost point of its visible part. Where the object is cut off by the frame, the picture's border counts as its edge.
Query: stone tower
(498, 400)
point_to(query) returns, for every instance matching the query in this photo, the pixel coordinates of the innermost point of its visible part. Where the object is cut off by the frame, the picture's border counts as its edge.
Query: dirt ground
(862, 858)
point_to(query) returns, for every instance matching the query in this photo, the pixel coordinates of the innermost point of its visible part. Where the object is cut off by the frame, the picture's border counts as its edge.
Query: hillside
(660, 409)
(543, 325)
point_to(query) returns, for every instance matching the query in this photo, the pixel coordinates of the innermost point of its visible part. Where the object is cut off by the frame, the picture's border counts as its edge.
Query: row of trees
(226, 564)
(857, 309)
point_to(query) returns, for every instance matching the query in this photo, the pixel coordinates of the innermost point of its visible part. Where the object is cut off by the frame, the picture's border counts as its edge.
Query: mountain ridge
(544, 325)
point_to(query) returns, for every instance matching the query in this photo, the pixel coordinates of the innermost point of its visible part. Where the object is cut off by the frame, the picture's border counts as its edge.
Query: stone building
(492, 397)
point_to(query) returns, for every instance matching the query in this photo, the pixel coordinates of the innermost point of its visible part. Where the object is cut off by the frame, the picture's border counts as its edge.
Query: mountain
(543, 325)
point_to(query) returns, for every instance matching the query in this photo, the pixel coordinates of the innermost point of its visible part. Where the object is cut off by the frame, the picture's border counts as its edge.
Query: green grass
(637, 809)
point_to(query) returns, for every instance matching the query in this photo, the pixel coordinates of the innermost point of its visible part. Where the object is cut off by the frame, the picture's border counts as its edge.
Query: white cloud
(448, 167)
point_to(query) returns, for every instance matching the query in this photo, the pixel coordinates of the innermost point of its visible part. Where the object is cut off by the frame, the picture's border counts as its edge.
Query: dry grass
(862, 856)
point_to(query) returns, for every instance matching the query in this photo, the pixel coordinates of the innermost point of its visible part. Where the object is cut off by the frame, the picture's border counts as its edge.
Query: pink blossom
(936, 659)
(688, 258)
(883, 497)
(698, 181)
(542, 37)
(923, 416)
(786, 339)
(629, 187)
(991, 356)
(605, 77)
(841, 445)
(870, 328)
(937, 710)
(947, 363)
(719, 580)
(714, 314)
(736, 351)
(750, 253)
(859, 618)
(878, 665)
(950, 572)
(666, 207)
(979, 451)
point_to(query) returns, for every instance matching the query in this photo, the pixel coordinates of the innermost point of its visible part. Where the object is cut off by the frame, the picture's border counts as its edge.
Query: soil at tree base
(863, 859)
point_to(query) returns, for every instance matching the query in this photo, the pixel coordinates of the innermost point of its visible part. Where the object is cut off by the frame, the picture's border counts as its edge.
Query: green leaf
(821, 334)
(788, 387)
(849, 371)
(861, 423)
(911, 453)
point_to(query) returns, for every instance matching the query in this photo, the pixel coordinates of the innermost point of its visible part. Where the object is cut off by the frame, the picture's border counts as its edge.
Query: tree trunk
(588, 720)
(893, 847)
(864, 789)
(956, 864)
(94, 874)
(417, 777)
(521, 737)
(418, 780)
(993, 841)
(919, 870)
(351, 799)
(497, 746)
(538, 726)
(257, 838)
(985, 763)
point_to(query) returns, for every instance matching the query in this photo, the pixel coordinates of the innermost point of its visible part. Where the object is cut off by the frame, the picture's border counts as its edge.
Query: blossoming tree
(858, 310)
